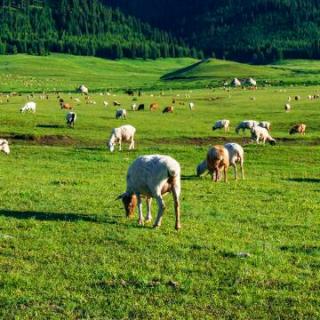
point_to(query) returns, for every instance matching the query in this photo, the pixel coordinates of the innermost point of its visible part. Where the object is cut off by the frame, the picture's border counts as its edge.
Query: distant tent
(251, 82)
(236, 82)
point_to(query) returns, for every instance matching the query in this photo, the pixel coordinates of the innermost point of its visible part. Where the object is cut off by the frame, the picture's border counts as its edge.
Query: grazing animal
(141, 107)
(154, 106)
(65, 105)
(222, 124)
(116, 103)
(71, 119)
(134, 107)
(191, 106)
(261, 134)
(289, 99)
(124, 133)
(77, 100)
(298, 128)
(236, 154)
(265, 124)
(297, 98)
(152, 176)
(84, 90)
(287, 107)
(217, 160)
(29, 106)
(246, 124)
(4, 146)
(168, 109)
(121, 114)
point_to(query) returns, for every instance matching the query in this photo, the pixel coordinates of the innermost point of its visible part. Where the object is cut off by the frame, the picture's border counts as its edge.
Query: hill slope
(259, 31)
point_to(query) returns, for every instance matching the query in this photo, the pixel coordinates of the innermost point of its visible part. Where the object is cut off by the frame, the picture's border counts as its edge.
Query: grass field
(68, 252)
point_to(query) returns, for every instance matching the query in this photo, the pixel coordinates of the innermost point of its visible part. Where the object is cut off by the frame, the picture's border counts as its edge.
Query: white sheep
(124, 133)
(261, 134)
(246, 124)
(105, 103)
(265, 124)
(121, 114)
(29, 106)
(287, 107)
(84, 90)
(4, 146)
(134, 107)
(236, 154)
(71, 118)
(191, 106)
(222, 124)
(152, 176)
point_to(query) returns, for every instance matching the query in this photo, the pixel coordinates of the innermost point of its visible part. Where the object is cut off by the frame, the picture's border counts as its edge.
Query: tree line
(83, 27)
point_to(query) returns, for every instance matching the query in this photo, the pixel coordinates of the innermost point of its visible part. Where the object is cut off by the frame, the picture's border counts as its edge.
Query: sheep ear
(121, 196)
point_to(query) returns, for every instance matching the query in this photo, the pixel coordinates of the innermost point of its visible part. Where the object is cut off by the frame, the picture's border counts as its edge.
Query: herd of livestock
(153, 176)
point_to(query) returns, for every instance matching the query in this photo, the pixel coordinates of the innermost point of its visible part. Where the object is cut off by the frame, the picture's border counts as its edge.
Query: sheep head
(130, 202)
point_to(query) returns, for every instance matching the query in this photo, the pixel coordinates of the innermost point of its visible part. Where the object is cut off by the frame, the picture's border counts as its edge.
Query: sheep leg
(242, 170)
(216, 170)
(131, 144)
(149, 217)
(235, 171)
(140, 209)
(225, 173)
(120, 145)
(161, 208)
(176, 194)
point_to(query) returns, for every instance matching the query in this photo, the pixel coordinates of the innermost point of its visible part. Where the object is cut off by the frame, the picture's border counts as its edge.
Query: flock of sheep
(153, 176)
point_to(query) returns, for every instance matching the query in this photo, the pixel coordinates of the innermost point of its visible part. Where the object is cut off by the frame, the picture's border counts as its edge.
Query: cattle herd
(153, 176)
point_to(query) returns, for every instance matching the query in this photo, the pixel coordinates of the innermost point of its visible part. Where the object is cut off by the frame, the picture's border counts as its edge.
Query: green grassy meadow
(68, 252)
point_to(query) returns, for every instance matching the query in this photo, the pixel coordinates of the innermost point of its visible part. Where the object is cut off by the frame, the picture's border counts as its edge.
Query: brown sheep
(218, 160)
(154, 106)
(168, 109)
(298, 128)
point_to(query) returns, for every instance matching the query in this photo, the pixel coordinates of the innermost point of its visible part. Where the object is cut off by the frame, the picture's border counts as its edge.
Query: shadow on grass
(308, 180)
(49, 126)
(48, 216)
(191, 177)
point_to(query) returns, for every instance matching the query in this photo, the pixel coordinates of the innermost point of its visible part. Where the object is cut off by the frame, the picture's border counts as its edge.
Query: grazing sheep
(77, 101)
(265, 124)
(217, 160)
(134, 107)
(235, 83)
(116, 103)
(191, 106)
(152, 176)
(29, 106)
(65, 105)
(261, 134)
(287, 107)
(121, 114)
(124, 133)
(222, 124)
(202, 168)
(4, 146)
(168, 109)
(298, 128)
(236, 154)
(83, 89)
(289, 99)
(71, 119)
(154, 106)
(141, 107)
(246, 124)
(105, 103)
(297, 98)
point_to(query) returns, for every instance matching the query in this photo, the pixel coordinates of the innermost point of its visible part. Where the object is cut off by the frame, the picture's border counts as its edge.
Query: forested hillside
(82, 27)
(258, 31)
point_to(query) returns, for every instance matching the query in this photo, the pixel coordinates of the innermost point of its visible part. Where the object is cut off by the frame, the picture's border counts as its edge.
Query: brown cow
(154, 106)
(298, 128)
(168, 109)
